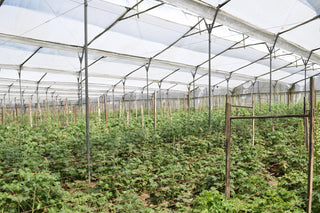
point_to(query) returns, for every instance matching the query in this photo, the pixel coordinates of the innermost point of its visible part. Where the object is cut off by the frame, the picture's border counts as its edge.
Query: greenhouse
(159, 106)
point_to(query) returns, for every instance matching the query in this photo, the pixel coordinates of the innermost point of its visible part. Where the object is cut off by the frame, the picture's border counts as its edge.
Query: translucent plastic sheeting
(12, 53)
(307, 35)
(271, 15)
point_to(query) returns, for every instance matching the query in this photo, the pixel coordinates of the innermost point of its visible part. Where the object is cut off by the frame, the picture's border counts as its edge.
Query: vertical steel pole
(311, 145)
(209, 76)
(86, 85)
(228, 147)
(147, 75)
(20, 90)
(270, 81)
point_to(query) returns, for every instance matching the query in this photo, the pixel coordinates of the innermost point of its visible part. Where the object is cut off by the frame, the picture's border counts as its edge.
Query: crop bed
(177, 168)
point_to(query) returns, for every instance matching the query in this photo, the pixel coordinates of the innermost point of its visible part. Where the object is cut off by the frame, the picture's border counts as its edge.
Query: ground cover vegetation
(177, 168)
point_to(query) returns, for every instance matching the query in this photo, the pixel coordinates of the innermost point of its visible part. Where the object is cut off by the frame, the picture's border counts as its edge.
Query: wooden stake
(136, 106)
(40, 114)
(99, 113)
(311, 145)
(45, 111)
(253, 124)
(184, 103)
(228, 147)
(105, 110)
(189, 104)
(113, 109)
(128, 116)
(142, 116)
(30, 113)
(16, 108)
(74, 112)
(155, 110)
(54, 108)
(67, 112)
(2, 109)
(120, 109)
(170, 115)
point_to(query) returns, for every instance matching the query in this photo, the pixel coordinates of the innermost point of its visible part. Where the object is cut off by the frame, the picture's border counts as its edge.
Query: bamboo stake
(128, 116)
(40, 114)
(99, 112)
(113, 109)
(142, 116)
(253, 124)
(30, 113)
(120, 109)
(54, 109)
(67, 112)
(74, 112)
(105, 110)
(16, 108)
(135, 101)
(1, 115)
(155, 110)
(45, 109)
(170, 115)
(189, 104)
(58, 115)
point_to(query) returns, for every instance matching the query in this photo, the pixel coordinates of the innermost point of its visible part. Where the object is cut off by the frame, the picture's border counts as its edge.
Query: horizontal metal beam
(269, 116)
(207, 11)
(134, 58)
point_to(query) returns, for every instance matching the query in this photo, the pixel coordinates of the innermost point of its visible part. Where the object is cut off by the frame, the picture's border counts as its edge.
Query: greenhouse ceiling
(42, 41)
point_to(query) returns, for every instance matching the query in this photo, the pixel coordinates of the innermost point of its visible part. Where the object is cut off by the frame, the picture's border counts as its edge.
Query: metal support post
(194, 88)
(147, 66)
(124, 94)
(160, 96)
(20, 91)
(228, 146)
(311, 144)
(209, 28)
(86, 86)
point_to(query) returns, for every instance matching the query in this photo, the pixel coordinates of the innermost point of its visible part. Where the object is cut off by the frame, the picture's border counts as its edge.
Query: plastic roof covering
(46, 37)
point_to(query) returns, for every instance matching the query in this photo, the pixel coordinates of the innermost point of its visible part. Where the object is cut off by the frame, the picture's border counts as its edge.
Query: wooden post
(155, 110)
(2, 111)
(170, 115)
(184, 103)
(113, 109)
(161, 109)
(136, 106)
(253, 124)
(305, 124)
(99, 112)
(228, 147)
(74, 112)
(45, 112)
(189, 104)
(311, 145)
(120, 109)
(16, 108)
(128, 116)
(105, 109)
(30, 113)
(67, 112)
(142, 116)
(54, 109)
(13, 116)
(40, 114)
(58, 115)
